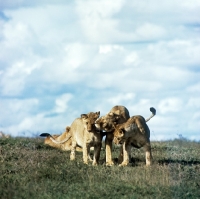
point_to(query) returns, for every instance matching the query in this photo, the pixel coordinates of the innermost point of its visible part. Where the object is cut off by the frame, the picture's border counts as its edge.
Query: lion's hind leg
(148, 154)
(126, 154)
(97, 150)
(73, 150)
(120, 157)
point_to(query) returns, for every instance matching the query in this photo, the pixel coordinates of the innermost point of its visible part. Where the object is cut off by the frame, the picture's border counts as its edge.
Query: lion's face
(119, 135)
(89, 120)
(107, 122)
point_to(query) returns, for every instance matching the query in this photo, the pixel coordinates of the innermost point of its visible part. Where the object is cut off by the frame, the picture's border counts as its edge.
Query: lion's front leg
(108, 142)
(97, 150)
(120, 158)
(126, 152)
(86, 150)
(89, 157)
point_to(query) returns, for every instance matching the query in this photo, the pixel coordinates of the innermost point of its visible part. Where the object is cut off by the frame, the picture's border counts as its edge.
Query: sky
(60, 59)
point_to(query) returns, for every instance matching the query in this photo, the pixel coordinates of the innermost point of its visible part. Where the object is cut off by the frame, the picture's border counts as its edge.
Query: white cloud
(121, 98)
(104, 49)
(17, 35)
(61, 59)
(132, 59)
(61, 103)
(14, 78)
(150, 32)
(14, 110)
(194, 103)
(9, 4)
(194, 88)
(170, 105)
(191, 5)
(77, 54)
(96, 18)
(194, 122)
(175, 52)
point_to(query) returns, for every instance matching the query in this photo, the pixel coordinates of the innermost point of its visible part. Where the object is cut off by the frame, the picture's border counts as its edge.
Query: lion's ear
(67, 129)
(98, 114)
(122, 130)
(84, 116)
(111, 114)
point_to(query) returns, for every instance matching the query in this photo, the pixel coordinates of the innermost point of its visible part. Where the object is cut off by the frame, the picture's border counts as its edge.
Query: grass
(29, 169)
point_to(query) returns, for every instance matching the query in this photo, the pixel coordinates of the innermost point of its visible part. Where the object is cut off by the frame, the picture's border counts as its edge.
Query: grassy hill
(29, 169)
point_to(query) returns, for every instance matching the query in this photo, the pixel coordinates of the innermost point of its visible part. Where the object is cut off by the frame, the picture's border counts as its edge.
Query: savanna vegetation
(29, 169)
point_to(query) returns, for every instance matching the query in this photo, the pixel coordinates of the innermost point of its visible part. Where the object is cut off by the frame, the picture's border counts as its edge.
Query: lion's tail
(54, 140)
(60, 142)
(45, 134)
(153, 110)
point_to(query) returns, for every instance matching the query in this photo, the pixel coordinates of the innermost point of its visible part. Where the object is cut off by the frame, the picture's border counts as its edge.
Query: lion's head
(107, 122)
(119, 134)
(89, 120)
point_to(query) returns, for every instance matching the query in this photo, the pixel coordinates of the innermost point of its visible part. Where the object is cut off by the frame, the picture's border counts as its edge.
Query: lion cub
(62, 141)
(117, 115)
(136, 133)
(85, 135)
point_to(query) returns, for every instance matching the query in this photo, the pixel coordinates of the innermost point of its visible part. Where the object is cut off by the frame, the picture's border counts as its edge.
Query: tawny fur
(66, 146)
(84, 134)
(3, 135)
(117, 115)
(133, 133)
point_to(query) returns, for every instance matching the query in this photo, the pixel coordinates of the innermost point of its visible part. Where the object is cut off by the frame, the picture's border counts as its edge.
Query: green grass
(30, 169)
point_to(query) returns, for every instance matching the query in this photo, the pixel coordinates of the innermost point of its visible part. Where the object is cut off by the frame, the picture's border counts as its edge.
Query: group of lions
(118, 127)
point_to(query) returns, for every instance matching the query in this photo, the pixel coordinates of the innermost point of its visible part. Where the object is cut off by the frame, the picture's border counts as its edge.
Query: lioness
(64, 146)
(134, 132)
(84, 134)
(2, 135)
(117, 115)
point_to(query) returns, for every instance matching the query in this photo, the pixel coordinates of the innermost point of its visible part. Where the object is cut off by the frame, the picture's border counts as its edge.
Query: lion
(117, 115)
(3, 135)
(134, 133)
(84, 134)
(65, 146)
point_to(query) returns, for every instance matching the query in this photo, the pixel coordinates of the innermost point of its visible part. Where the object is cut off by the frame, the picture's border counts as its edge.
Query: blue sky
(59, 59)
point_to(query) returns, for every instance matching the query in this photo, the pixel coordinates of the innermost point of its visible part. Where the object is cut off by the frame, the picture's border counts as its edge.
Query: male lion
(117, 115)
(134, 132)
(64, 145)
(84, 134)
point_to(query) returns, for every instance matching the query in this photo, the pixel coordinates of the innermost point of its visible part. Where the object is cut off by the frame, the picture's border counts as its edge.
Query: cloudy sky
(59, 59)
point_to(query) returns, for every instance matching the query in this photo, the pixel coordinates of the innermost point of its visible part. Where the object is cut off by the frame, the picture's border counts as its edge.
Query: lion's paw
(123, 164)
(94, 164)
(109, 164)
